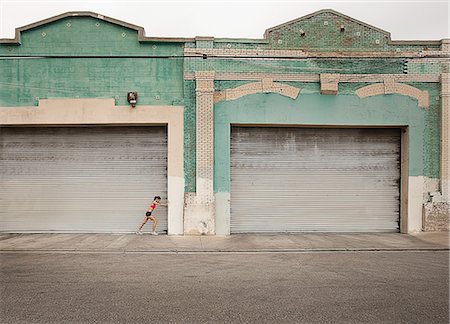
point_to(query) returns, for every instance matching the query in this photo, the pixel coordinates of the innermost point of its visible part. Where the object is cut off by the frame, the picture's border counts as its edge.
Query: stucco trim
(397, 88)
(66, 112)
(263, 86)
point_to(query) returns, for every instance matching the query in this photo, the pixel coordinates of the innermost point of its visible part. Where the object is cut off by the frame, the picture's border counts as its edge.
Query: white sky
(405, 20)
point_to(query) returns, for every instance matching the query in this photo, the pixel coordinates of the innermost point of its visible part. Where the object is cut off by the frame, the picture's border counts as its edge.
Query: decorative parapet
(263, 86)
(141, 32)
(389, 86)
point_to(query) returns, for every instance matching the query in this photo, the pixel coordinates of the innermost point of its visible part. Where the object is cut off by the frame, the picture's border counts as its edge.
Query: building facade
(324, 124)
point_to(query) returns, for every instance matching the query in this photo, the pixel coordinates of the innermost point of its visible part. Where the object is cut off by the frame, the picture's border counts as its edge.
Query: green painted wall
(157, 75)
(300, 66)
(76, 36)
(189, 136)
(159, 81)
(430, 123)
(22, 81)
(315, 109)
(322, 31)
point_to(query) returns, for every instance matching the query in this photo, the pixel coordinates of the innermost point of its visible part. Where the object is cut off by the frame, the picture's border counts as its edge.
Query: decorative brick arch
(263, 86)
(389, 87)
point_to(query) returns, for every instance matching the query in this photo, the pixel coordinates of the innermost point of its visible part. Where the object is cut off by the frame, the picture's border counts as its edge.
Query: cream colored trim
(392, 87)
(404, 180)
(329, 83)
(63, 112)
(263, 86)
(289, 53)
(295, 77)
(204, 135)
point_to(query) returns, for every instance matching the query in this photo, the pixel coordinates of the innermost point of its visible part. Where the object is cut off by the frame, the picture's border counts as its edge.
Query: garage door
(81, 179)
(308, 179)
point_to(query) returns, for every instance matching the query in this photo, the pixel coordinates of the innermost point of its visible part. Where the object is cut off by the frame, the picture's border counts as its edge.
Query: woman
(148, 215)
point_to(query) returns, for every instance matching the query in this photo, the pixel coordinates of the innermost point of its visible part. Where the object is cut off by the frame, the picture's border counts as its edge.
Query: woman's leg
(155, 222)
(143, 223)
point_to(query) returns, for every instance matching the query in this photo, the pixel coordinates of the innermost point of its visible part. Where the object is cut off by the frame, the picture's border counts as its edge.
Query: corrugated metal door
(309, 179)
(86, 179)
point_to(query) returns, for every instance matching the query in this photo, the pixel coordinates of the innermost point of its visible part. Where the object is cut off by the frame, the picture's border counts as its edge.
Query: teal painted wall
(159, 81)
(305, 66)
(345, 107)
(316, 109)
(189, 136)
(76, 36)
(322, 31)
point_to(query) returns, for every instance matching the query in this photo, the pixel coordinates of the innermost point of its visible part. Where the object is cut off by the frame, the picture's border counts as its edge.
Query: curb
(246, 251)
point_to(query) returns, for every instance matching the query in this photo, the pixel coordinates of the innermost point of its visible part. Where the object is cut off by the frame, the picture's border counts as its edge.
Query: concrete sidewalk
(303, 242)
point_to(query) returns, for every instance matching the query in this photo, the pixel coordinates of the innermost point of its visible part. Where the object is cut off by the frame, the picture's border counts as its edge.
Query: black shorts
(148, 214)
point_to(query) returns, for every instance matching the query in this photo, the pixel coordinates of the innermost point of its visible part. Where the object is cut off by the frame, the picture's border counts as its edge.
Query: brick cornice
(352, 78)
(268, 53)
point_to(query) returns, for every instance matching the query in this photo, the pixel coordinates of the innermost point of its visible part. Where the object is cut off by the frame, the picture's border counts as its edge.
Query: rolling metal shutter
(307, 179)
(81, 179)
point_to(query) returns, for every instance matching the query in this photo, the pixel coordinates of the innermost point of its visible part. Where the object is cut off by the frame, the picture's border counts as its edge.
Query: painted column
(445, 127)
(200, 208)
(204, 134)
(436, 214)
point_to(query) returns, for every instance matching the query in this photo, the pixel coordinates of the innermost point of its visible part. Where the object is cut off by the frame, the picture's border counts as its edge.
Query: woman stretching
(148, 215)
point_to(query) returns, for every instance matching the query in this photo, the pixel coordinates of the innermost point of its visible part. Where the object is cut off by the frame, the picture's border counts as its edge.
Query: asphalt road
(353, 287)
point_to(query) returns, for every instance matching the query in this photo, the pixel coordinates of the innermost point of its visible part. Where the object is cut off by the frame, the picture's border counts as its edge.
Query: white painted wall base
(222, 213)
(175, 196)
(415, 203)
(198, 216)
(419, 188)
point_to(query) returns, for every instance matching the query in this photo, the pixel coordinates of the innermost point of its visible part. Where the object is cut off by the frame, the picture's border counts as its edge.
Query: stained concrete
(234, 243)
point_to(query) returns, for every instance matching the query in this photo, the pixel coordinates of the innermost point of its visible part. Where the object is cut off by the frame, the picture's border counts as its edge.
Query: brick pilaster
(205, 135)
(199, 213)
